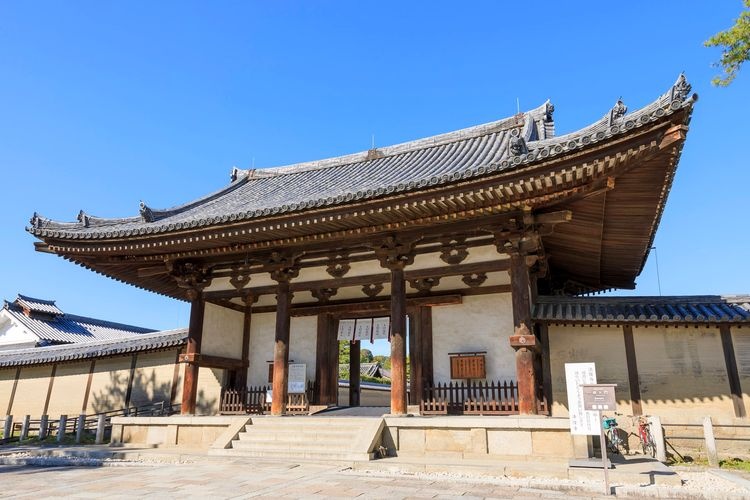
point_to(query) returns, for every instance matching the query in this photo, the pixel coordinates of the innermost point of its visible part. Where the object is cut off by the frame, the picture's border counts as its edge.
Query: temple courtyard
(97, 473)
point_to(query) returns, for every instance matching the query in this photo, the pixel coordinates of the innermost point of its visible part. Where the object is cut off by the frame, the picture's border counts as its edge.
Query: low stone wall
(479, 437)
(175, 431)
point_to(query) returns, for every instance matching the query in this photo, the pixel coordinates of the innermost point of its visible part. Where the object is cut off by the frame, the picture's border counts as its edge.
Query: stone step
(295, 454)
(331, 438)
(239, 444)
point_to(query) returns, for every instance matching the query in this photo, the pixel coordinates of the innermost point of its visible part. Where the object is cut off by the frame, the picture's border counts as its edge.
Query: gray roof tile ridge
(110, 324)
(521, 120)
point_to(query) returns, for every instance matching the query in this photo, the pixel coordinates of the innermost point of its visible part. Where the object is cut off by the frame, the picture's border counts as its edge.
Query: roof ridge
(96, 321)
(508, 123)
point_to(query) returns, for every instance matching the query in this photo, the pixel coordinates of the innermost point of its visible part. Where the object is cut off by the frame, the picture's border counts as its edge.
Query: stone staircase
(307, 438)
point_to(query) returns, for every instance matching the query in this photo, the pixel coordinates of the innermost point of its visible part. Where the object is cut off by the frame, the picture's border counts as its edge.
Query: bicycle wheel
(648, 447)
(613, 440)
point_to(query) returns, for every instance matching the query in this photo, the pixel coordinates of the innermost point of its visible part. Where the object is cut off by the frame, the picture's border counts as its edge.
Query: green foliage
(735, 44)
(365, 356)
(344, 351)
(735, 463)
(385, 361)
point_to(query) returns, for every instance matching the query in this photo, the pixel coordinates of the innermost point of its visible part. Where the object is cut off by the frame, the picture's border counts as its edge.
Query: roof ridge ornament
(146, 213)
(517, 145)
(549, 109)
(617, 111)
(36, 221)
(681, 88)
(83, 218)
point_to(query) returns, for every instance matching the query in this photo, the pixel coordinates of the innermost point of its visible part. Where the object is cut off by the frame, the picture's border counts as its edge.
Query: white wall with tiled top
(479, 323)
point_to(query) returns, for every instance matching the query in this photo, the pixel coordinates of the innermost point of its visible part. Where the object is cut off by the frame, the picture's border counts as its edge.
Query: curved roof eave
(524, 151)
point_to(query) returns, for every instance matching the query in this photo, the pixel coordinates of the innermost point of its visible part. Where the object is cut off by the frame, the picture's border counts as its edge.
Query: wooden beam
(131, 378)
(49, 388)
(443, 271)
(632, 363)
(213, 361)
(175, 377)
(367, 305)
(13, 391)
(89, 379)
(195, 337)
(733, 375)
(246, 324)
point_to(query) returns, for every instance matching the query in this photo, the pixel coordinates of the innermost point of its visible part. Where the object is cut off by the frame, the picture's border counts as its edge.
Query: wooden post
(281, 349)
(633, 379)
(326, 361)
(61, 428)
(733, 374)
(43, 425)
(247, 320)
(425, 332)
(354, 373)
(398, 341)
(8, 427)
(523, 340)
(708, 434)
(80, 428)
(195, 336)
(25, 428)
(415, 356)
(101, 425)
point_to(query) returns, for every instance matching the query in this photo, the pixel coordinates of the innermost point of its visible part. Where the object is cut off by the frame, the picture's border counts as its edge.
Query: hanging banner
(582, 422)
(346, 329)
(381, 328)
(297, 378)
(363, 330)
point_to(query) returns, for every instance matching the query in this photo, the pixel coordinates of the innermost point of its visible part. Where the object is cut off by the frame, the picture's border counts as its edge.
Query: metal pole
(603, 442)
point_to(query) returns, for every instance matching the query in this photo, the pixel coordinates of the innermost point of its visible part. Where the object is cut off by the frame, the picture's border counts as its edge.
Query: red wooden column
(523, 340)
(246, 323)
(398, 341)
(395, 254)
(281, 346)
(327, 361)
(192, 352)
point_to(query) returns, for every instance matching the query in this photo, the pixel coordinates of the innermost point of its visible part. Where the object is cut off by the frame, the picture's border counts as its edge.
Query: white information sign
(346, 329)
(297, 378)
(582, 422)
(381, 327)
(363, 330)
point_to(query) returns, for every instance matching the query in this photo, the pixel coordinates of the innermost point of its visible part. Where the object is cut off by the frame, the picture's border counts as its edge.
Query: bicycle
(644, 434)
(612, 436)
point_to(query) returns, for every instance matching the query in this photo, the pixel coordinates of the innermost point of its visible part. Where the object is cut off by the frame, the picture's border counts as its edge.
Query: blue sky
(104, 104)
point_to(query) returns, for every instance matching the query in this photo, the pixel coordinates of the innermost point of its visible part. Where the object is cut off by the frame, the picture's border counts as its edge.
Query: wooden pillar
(398, 341)
(192, 351)
(733, 374)
(247, 320)
(415, 357)
(523, 340)
(425, 332)
(632, 364)
(354, 373)
(281, 348)
(326, 361)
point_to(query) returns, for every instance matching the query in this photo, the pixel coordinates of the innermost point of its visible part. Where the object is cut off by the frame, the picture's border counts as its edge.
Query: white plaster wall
(302, 344)
(13, 335)
(480, 323)
(222, 332)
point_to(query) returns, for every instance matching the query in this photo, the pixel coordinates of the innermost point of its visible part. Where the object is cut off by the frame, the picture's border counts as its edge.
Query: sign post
(599, 398)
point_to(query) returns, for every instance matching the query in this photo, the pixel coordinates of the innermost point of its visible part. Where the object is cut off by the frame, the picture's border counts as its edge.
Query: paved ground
(265, 479)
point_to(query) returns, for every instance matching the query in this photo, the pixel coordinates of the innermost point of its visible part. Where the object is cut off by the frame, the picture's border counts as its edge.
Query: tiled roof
(38, 305)
(94, 349)
(445, 159)
(689, 309)
(68, 328)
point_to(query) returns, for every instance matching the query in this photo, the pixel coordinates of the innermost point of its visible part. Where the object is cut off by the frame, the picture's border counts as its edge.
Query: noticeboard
(599, 397)
(582, 422)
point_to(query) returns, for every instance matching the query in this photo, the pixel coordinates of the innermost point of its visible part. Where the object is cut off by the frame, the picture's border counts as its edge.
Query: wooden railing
(252, 400)
(473, 398)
